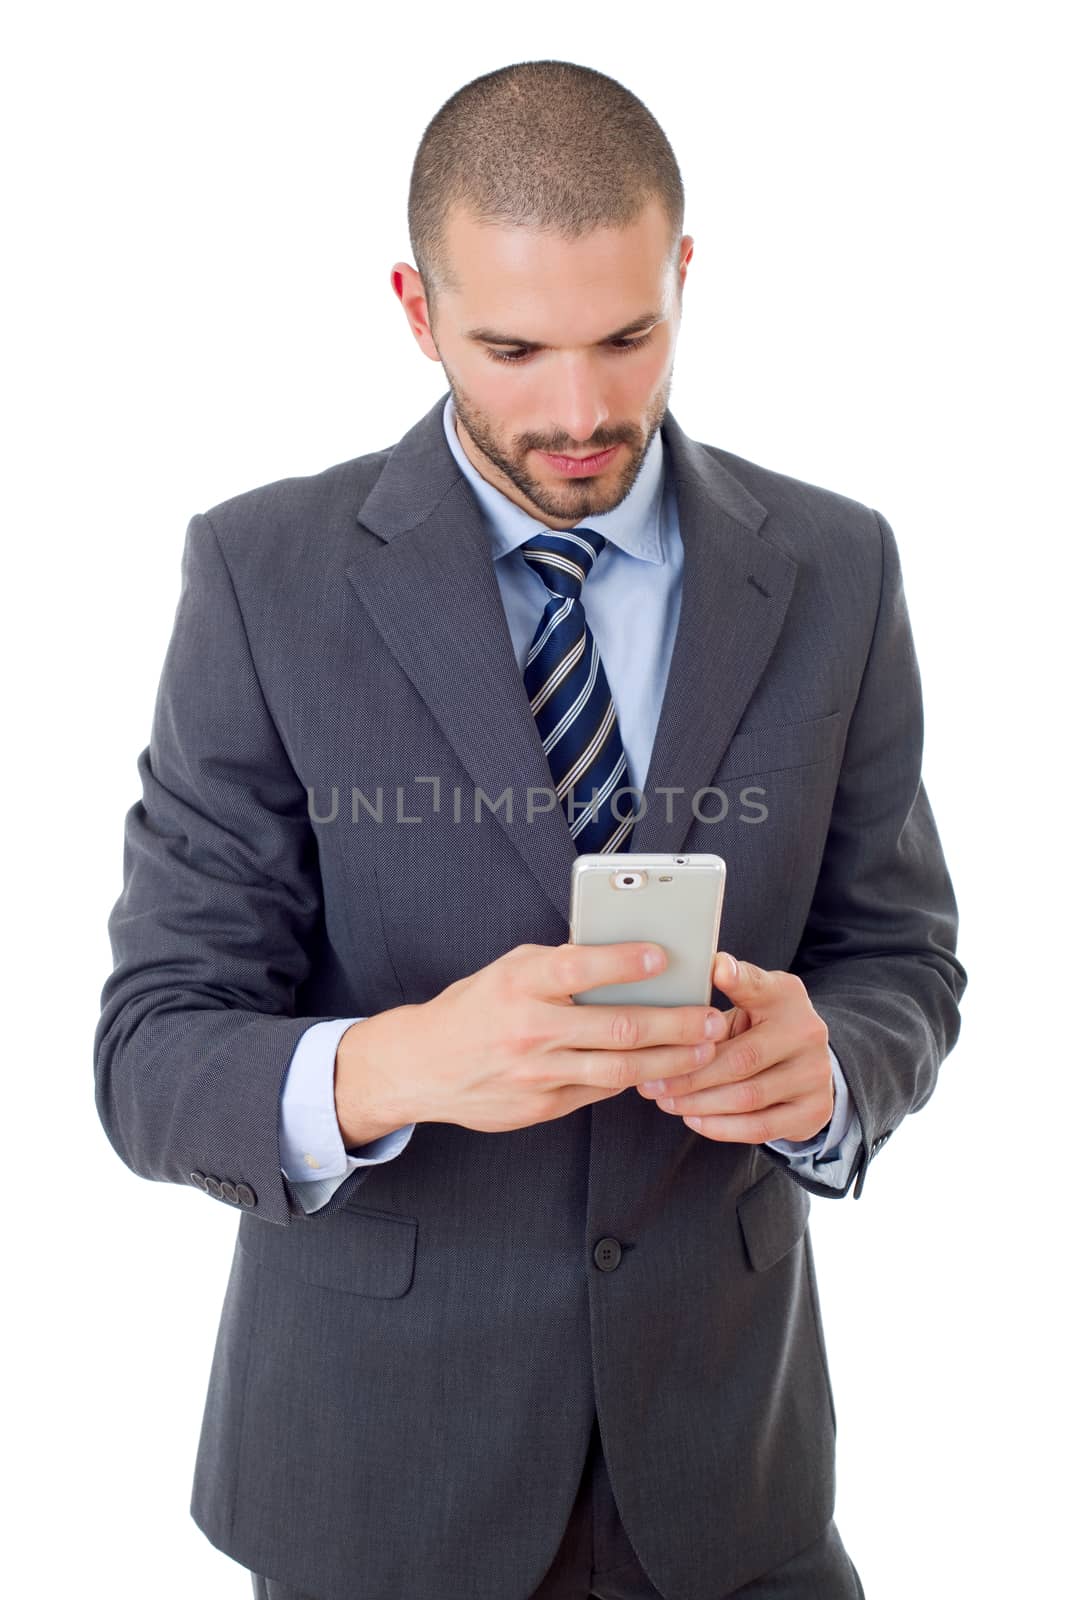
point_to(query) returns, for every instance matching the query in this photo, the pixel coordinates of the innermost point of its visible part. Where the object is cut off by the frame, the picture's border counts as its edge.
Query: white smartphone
(673, 901)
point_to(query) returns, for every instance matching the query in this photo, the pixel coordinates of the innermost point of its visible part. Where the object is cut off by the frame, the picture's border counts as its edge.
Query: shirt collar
(634, 525)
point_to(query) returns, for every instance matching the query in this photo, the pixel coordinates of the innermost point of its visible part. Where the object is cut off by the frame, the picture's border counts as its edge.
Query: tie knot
(564, 560)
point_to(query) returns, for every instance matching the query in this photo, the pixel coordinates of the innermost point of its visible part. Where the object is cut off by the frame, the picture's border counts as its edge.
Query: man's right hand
(507, 1046)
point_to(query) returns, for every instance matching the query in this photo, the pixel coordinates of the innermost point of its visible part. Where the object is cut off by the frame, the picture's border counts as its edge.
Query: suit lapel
(736, 590)
(435, 556)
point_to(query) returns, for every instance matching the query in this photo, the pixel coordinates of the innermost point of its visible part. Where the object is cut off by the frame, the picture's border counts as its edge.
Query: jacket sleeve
(212, 932)
(877, 955)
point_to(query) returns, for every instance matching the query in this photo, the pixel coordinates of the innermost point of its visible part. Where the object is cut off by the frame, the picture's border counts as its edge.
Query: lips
(580, 466)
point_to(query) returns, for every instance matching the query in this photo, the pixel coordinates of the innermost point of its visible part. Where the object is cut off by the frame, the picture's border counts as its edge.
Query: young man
(523, 1299)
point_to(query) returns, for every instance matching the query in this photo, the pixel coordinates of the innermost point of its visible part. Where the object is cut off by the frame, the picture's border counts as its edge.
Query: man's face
(555, 346)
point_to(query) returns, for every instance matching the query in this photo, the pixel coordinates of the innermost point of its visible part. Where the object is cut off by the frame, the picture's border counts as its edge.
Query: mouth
(580, 466)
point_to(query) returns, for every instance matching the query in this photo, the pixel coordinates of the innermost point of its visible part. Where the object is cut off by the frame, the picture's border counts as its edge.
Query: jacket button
(214, 1187)
(199, 1179)
(246, 1195)
(607, 1254)
(229, 1192)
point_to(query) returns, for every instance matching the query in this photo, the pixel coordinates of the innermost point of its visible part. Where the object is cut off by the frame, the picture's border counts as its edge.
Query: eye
(621, 346)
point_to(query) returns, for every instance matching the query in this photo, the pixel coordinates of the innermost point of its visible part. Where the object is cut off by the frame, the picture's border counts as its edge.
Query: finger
(750, 1052)
(638, 1029)
(622, 1069)
(756, 1127)
(569, 969)
(758, 989)
(744, 1056)
(737, 1020)
(785, 1083)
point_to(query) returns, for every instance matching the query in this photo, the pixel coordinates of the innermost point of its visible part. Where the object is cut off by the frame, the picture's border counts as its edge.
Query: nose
(578, 409)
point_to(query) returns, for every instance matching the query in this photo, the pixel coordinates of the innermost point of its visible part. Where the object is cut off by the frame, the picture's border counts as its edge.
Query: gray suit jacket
(403, 1383)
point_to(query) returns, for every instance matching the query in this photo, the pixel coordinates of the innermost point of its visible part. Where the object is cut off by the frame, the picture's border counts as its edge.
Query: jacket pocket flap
(776, 749)
(355, 1251)
(773, 1213)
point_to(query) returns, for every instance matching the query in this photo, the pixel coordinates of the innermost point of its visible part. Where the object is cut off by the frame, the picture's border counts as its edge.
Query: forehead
(528, 279)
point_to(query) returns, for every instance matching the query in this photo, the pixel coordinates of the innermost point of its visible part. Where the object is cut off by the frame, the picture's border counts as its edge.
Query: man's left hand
(771, 1076)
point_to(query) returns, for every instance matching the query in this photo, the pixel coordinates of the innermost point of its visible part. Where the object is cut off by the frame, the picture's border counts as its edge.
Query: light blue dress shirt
(631, 600)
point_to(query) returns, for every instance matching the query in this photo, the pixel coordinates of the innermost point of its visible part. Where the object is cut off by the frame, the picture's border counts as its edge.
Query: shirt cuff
(314, 1193)
(313, 1155)
(309, 1138)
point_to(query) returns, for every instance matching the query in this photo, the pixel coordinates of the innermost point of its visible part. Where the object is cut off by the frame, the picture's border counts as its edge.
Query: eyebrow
(488, 336)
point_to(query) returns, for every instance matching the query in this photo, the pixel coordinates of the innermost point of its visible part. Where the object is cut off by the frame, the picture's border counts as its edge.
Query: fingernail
(654, 959)
(714, 1024)
(657, 1086)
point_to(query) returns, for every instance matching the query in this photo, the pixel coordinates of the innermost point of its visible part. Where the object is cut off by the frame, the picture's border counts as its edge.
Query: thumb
(742, 981)
(748, 986)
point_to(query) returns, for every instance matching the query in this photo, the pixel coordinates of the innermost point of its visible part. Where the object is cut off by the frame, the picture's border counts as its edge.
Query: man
(523, 1299)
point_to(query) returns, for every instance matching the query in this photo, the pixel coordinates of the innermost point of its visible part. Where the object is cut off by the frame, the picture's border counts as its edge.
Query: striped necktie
(570, 698)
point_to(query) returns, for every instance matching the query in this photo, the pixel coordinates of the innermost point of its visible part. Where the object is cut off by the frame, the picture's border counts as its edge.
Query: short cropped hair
(542, 144)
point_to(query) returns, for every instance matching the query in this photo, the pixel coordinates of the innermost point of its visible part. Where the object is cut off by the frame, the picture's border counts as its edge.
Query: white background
(204, 204)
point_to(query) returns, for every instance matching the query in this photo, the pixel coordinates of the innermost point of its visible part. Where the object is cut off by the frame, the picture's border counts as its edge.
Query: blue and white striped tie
(570, 697)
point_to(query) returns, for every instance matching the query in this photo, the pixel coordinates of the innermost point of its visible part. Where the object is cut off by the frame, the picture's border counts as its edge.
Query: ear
(685, 256)
(407, 285)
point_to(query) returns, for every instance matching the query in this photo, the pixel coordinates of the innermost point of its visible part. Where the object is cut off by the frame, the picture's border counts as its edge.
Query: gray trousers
(596, 1560)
